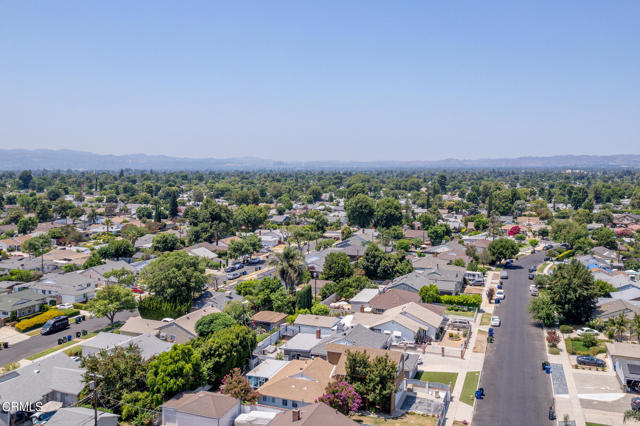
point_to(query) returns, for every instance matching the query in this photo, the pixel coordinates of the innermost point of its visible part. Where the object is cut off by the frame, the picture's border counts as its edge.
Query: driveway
(39, 343)
(11, 335)
(517, 391)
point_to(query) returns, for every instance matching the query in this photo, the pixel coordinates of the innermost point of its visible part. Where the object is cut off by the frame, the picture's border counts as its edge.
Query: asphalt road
(517, 391)
(39, 343)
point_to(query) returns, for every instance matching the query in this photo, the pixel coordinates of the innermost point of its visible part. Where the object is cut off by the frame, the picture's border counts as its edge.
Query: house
(28, 264)
(297, 384)
(200, 408)
(428, 263)
(392, 298)
(301, 345)
(7, 287)
(135, 326)
(412, 234)
(265, 371)
(312, 415)
(355, 245)
(315, 261)
(97, 273)
(611, 308)
(279, 219)
(144, 242)
(357, 335)
(81, 416)
(72, 287)
(52, 378)
(268, 319)
(360, 301)
(309, 323)
(448, 279)
(625, 358)
(412, 322)
(148, 344)
(183, 329)
(14, 243)
(23, 302)
(270, 237)
(625, 219)
(604, 254)
(201, 252)
(66, 255)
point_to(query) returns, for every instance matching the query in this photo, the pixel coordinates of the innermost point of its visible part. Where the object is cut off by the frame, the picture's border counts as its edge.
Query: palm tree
(289, 265)
(92, 215)
(618, 325)
(635, 327)
(108, 223)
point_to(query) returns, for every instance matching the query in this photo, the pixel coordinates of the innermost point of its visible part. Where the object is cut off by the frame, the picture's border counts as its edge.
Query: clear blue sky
(303, 80)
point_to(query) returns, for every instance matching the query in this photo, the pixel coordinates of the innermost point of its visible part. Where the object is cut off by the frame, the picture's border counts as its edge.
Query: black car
(590, 360)
(547, 247)
(54, 325)
(531, 276)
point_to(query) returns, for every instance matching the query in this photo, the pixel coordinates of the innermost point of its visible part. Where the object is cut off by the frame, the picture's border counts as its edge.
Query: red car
(136, 290)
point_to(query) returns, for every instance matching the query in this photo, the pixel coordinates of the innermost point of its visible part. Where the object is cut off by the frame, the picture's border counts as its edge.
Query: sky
(331, 80)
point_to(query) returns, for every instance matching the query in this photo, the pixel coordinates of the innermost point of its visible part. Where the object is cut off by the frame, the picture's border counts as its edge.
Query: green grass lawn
(575, 346)
(438, 377)
(469, 387)
(485, 319)
(468, 314)
(33, 332)
(89, 335)
(50, 350)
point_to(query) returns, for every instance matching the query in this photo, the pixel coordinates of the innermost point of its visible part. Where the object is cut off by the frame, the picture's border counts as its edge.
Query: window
(285, 402)
(294, 404)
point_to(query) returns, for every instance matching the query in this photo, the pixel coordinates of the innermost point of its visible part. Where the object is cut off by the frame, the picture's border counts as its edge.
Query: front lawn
(438, 377)
(468, 314)
(51, 350)
(485, 319)
(469, 387)
(575, 346)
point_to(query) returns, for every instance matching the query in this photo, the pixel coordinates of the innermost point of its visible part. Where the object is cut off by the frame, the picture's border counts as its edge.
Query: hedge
(468, 300)
(38, 320)
(566, 329)
(82, 306)
(70, 312)
(565, 255)
(155, 308)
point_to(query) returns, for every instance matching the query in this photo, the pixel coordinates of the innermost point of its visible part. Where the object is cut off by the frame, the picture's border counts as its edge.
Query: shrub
(552, 338)
(341, 396)
(468, 300)
(566, 329)
(589, 340)
(70, 312)
(565, 255)
(38, 320)
(554, 351)
(82, 306)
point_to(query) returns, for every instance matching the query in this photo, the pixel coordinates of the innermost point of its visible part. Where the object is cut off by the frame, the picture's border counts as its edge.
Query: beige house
(183, 329)
(136, 326)
(200, 408)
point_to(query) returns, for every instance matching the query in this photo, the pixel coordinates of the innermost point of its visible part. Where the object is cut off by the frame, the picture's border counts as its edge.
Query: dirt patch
(453, 339)
(481, 342)
(474, 290)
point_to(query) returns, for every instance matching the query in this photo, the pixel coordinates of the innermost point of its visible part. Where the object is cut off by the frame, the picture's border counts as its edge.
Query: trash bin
(69, 338)
(78, 334)
(547, 369)
(544, 364)
(84, 332)
(478, 394)
(60, 341)
(83, 317)
(5, 345)
(496, 301)
(78, 320)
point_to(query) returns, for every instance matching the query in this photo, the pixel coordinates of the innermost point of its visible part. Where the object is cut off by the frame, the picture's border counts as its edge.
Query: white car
(495, 321)
(533, 290)
(500, 294)
(586, 330)
(65, 306)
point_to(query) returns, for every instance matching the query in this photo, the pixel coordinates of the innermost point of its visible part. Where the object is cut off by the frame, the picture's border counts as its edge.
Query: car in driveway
(254, 261)
(65, 306)
(476, 283)
(460, 324)
(137, 290)
(495, 321)
(500, 294)
(586, 330)
(590, 360)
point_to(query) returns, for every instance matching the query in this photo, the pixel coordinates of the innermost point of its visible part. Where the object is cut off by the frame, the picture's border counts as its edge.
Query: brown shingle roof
(203, 404)
(312, 415)
(392, 298)
(268, 317)
(299, 380)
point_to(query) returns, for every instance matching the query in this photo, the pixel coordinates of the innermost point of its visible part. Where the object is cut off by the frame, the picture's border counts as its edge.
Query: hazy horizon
(357, 81)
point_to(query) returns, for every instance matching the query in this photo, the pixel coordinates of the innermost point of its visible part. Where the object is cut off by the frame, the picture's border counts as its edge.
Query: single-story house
(312, 415)
(361, 300)
(200, 408)
(357, 335)
(625, 358)
(23, 302)
(448, 279)
(72, 287)
(148, 344)
(268, 319)
(135, 326)
(81, 416)
(97, 273)
(52, 378)
(264, 371)
(392, 298)
(611, 308)
(66, 255)
(309, 323)
(183, 329)
(28, 264)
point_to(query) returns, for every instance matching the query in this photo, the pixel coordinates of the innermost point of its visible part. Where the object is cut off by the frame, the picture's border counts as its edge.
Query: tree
(388, 213)
(144, 212)
(165, 242)
(110, 300)
(122, 275)
(320, 309)
(533, 243)
(27, 224)
(251, 216)
(117, 249)
(603, 288)
(93, 260)
(502, 248)
(438, 232)
(337, 266)
(174, 276)
(225, 350)
(173, 205)
(25, 177)
(634, 329)
(605, 237)
(373, 379)
(360, 210)
(371, 259)
(236, 385)
(542, 309)
(430, 294)
(304, 298)
(289, 266)
(37, 244)
(245, 246)
(341, 396)
(459, 262)
(572, 292)
(618, 326)
(553, 338)
(211, 323)
(345, 232)
(121, 370)
(174, 371)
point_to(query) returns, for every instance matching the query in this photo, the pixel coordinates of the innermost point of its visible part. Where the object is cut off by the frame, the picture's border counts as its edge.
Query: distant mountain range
(40, 159)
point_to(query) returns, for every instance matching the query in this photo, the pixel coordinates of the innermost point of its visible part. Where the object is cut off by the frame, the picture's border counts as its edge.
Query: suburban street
(517, 391)
(39, 343)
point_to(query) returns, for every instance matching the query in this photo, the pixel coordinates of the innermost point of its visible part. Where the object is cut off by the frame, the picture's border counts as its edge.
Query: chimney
(317, 333)
(295, 415)
(362, 308)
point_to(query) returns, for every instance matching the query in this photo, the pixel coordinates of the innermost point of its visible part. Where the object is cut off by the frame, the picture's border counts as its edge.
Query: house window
(294, 404)
(285, 402)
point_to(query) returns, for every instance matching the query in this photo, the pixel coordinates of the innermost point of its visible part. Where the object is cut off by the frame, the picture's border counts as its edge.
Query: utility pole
(94, 387)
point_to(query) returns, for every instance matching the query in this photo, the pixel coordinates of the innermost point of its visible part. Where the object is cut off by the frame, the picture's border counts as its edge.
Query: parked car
(547, 247)
(495, 321)
(532, 276)
(635, 403)
(233, 275)
(41, 417)
(500, 294)
(65, 306)
(254, 261)
(532, 268)
(504, 275)
(508, 263)
(54, 325)
(590, 360)
(460, 324)
(137, 290)
(533, 290)
(230, 268)
(586, 330)
(546, 258)
(477, 282)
